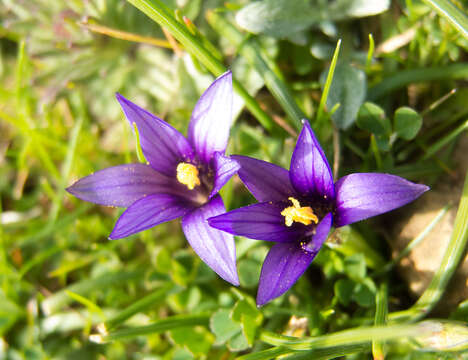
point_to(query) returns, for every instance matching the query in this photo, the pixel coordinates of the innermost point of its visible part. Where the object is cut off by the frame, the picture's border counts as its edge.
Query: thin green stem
(326, 89)
(452, 256)
(406, 77)
(452, 13)
(140, 305)
(159, 326)
(381, 309)
(413, 243)
(345, 337)
(445, 140)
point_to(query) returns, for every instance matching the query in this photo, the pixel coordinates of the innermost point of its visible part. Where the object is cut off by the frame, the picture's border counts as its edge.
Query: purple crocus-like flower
(297, 208)
(182, 179)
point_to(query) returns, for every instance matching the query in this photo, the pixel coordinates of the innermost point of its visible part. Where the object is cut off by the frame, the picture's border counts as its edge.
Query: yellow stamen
(305, 215)
(187, 174)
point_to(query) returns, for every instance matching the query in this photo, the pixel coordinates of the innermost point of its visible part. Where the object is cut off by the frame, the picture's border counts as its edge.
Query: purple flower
(182, 179)
(297, 208)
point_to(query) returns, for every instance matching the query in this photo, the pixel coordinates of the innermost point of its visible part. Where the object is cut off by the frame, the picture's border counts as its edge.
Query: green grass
(67, 292)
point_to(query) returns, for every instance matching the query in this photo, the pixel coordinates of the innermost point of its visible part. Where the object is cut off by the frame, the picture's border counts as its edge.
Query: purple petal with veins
(216, 248)
(211, 119)
(266, 181)
(148, 212)
(363, 195)
(163, 146)
(284, 264)
(321, 234)
(310, 172)
(122, 185)
(261, 221)
(224, 168)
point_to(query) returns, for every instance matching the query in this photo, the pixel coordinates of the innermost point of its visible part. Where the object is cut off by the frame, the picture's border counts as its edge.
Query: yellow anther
(305, 215)
(187, 174)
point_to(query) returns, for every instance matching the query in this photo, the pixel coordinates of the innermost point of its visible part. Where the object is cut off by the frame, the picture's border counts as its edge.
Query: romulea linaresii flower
(297, 208)
(181, 180)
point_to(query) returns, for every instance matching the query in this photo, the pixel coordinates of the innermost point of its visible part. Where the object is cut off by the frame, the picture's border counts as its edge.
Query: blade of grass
(159, 13)
(159, 326)
(370, 52)
(267, 354)
(326, 88)
(345, 337)
(452, 13)
(23, 122)
(329, 353)
(413, 243)
(69, 159)
(444, 141)
(381, 309)
(123, 35)
(406, 77)
(141, 305)
(257, 58)
(92, 307)
(452, 256)
(61, 298)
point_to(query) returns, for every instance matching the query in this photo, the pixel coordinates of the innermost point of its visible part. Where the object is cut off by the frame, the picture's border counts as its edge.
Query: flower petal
(310, 172)
(266, 181)
(225, 168)
(321, 234)
(148, 212)
(283, 265)
(211, 118)
(360, 196)
(120, 185)
(163, 146)
(262, 221)
(214, 247)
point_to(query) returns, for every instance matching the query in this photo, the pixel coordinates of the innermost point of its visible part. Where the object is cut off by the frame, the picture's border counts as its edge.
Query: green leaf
(222, 325)
(344, 291)
(238, 343)
(246, 312)
(283, 18)
(249, 272)
(348, 89)
(196, 340)
(342, 9)
(355, 266)
(371, 118)
(407, 123)
(278, 18)
(364, 293)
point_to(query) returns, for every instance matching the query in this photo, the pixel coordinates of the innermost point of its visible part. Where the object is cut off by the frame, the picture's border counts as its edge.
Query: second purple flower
(297, 208)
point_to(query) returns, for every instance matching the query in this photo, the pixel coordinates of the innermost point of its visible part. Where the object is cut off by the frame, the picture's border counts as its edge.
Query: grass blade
(452, 256)
(159, 326)
(452, 13)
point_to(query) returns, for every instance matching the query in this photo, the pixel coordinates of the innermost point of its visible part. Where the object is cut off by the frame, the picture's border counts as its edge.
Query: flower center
(305, 215)
(187, 174)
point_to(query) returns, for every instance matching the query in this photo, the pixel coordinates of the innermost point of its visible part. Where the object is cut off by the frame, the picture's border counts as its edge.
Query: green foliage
(282, 18)
(62, 283)
(407, 123)
(348, 89)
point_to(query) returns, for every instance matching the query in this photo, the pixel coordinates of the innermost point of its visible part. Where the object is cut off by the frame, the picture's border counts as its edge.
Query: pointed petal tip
(233, 280)
(120, 98)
